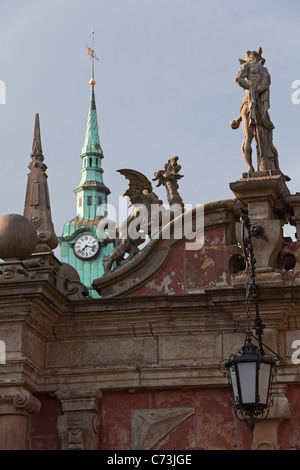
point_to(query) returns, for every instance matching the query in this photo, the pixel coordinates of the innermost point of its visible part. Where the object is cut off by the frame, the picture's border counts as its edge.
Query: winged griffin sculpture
(132, 232)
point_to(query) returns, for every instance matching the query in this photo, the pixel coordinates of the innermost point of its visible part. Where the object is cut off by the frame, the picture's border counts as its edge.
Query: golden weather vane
(91, 53)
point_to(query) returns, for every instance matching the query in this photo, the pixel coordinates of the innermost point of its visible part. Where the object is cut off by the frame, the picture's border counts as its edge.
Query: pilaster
(16, 404)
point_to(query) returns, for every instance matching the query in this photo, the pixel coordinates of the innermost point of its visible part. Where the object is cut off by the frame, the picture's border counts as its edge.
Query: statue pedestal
(263, 196)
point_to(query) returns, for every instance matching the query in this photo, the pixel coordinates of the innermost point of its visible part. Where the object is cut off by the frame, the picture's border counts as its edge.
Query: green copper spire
(92, 142)
(91, 197)
(91, 192)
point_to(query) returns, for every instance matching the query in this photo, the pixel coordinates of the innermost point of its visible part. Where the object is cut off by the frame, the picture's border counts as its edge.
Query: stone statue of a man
(254, 115)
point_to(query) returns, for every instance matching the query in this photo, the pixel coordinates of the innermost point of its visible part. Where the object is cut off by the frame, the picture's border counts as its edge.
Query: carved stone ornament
(75, 290)
(150, 426)
(78, 431)
(168, 177)
(78, 427)
(68, 283)
(44, 266)
(23, 401)
(140, 224)
(27, 402)
(15, 271)
(36, 221)
(142, 197)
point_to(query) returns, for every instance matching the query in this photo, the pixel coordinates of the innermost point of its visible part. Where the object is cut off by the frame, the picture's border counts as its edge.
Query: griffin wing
(137, 184)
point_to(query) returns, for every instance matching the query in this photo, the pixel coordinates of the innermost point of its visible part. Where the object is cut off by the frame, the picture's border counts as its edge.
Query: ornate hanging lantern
(251, 370)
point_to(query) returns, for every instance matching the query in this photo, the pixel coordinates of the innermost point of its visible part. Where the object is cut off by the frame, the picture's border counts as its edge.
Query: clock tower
(80, 245)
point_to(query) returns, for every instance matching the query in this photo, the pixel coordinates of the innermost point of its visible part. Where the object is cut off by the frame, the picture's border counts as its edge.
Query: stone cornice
(142, 316)
(30, 289)
(36, 303)
(136, 378)
(275, 304)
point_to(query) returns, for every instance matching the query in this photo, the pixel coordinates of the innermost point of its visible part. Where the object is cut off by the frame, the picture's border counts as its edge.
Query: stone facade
(139, 368)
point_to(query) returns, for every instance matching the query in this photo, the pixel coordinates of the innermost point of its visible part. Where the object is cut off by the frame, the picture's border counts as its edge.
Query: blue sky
(165, 86)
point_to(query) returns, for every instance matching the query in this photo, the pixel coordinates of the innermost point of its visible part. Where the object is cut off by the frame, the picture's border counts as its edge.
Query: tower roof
(91, 191)
(92, 142)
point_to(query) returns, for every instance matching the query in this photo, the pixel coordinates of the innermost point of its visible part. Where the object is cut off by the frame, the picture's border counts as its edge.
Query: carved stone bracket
(78, 431)
(78, 428)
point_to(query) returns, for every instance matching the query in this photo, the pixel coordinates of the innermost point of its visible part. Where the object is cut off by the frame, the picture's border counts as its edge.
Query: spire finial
(37, 142)
(91, 53)
(37, 202)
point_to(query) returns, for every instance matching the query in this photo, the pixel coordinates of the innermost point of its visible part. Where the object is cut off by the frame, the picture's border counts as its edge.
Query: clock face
(86, 247)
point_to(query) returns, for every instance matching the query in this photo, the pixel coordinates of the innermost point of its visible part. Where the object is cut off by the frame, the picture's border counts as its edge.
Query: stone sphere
(18, 237)
(68, 272)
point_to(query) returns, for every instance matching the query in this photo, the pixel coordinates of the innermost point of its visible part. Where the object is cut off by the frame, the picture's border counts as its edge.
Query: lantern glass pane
(263, 382)
(247, 377)
(234, 384)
